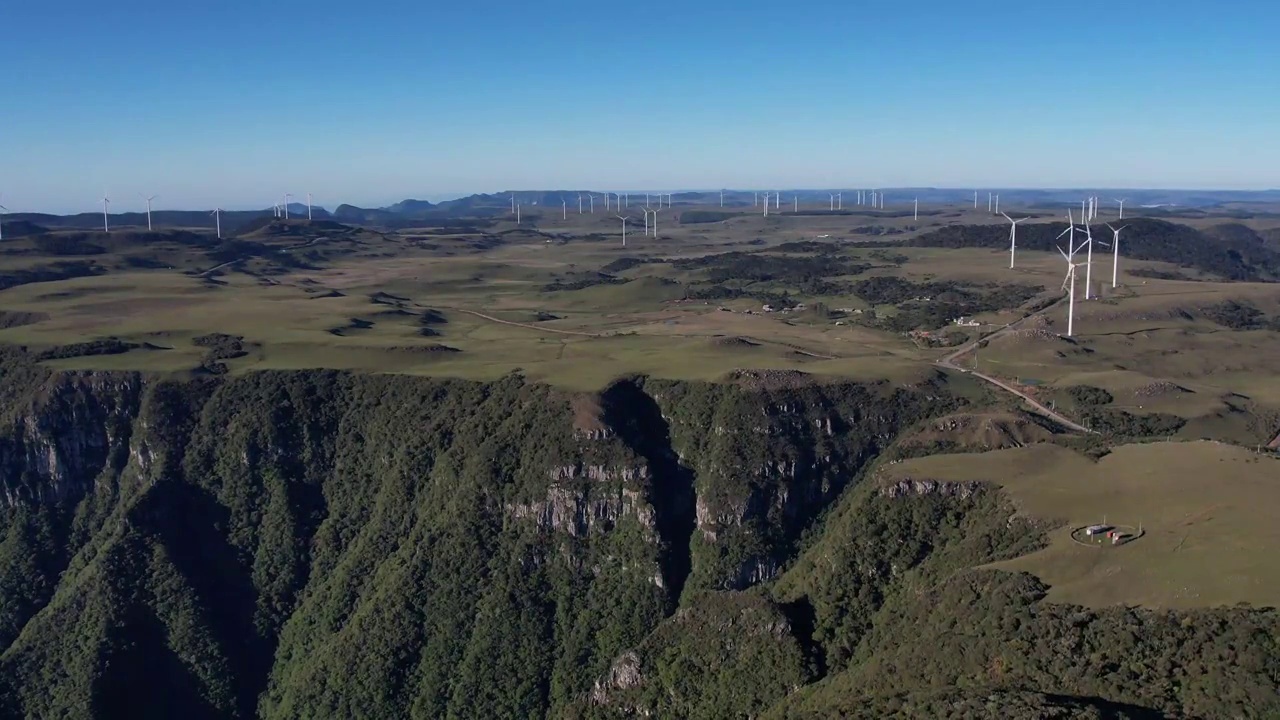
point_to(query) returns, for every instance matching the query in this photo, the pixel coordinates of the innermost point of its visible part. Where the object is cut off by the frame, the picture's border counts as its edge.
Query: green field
(1205, 509)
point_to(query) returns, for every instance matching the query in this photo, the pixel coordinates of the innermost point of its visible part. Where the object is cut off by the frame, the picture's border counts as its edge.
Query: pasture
(1205, 508)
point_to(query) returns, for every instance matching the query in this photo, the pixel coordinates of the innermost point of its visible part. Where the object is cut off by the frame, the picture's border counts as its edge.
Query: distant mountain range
(420, 213)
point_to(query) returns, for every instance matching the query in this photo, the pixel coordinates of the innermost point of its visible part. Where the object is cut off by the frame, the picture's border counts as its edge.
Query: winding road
(949, 362)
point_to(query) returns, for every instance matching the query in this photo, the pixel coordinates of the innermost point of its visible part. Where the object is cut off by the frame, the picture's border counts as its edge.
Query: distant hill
(1232, 251)
(12, 229)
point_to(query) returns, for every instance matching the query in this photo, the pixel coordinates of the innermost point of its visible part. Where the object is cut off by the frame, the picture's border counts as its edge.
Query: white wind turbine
(777, 199)
(1121, 201)
(795, 203)
(998, 203)
(721, 198)
(1115, 252)
(646, 220)
(287, 198)
(217, 220)
(1013, 236)
(564, 209)
(579, 203)
(3, 210)
(1069, 284)
(592, 198)
(148, 199)
(106, 202)
(624, 220)
(308, 207)
(839, 201)
(766, 204)
(916, 214)
(1088, 270)
(655, 220)
(833, 200)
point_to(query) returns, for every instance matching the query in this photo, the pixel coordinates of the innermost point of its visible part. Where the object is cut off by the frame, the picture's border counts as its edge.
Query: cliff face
(316, 543)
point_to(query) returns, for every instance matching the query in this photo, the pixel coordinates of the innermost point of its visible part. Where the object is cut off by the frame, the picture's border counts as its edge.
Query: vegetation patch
(107, 346)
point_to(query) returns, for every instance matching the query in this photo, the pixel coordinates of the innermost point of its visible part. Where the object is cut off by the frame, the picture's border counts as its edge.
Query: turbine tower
(795, 203)
(1121, 201)
(1013, 237)
(997, 202)
(287, 198)
(106, 201)
(833, 201)
(839, 201)
(1088, 270)
(1115, 252)
(579, 203)
(3, 210)
(721, 198)
(592, 198)
(624, 220)
(148, 199)
(564, 209)
(655, 221)
(308, 207)
(217, 220)
(915, 217)
(1069, 282)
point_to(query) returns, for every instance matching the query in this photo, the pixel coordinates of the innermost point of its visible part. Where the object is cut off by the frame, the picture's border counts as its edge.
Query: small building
(1096, 530)
(767, 308)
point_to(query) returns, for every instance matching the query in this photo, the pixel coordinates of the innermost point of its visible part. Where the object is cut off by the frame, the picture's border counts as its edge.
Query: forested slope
(326, 544)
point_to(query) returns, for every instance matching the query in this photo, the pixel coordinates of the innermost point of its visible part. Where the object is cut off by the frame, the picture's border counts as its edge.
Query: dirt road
(949, 362)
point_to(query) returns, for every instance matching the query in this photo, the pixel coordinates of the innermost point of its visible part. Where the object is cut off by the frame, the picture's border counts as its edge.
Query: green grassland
(565, 302)
(1204, 507)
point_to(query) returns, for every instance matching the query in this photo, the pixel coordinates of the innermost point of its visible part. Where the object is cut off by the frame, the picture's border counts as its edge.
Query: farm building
(1096, 530)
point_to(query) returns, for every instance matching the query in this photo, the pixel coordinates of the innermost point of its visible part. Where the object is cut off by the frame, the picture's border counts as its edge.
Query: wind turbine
(755, 201)
(839, 201)
(579, 203)
(655, 221)
(777, 198)
(998, 203)
(148, 199)
(217, 220)
(646, 220)
(3, 209)
(1121, 201)
(592, 198)
(721, 198)
(308, 207)
(833, 200)
(990, 197)
(624, 220)
(287, 198)
(975, 199)
(766, 204)
(1069, 284)
(1115, 252)
(517, 213)
(513, 204)
(795, 203)
(916, 215)
(1088, 270)
(1013, 236)
(564, 209)
(106, 201)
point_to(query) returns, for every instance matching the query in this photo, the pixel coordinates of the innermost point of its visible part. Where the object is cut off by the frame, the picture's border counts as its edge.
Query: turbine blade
(1064, 254)
(1064, 232)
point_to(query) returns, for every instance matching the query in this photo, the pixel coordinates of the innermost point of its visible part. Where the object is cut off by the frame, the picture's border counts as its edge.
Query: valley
(819, 464)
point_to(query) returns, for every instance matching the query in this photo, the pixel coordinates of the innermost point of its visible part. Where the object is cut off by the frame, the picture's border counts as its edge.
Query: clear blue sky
(235, 102)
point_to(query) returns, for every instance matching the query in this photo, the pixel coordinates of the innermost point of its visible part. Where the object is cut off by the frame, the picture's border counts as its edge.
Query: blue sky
(235, 103)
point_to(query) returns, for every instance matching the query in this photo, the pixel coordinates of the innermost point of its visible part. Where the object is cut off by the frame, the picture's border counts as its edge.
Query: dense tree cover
(931, 305)
(1234, 256)
(62, 270)
(106, 346)
(993, 629)
(756, 267)
(327, 544)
